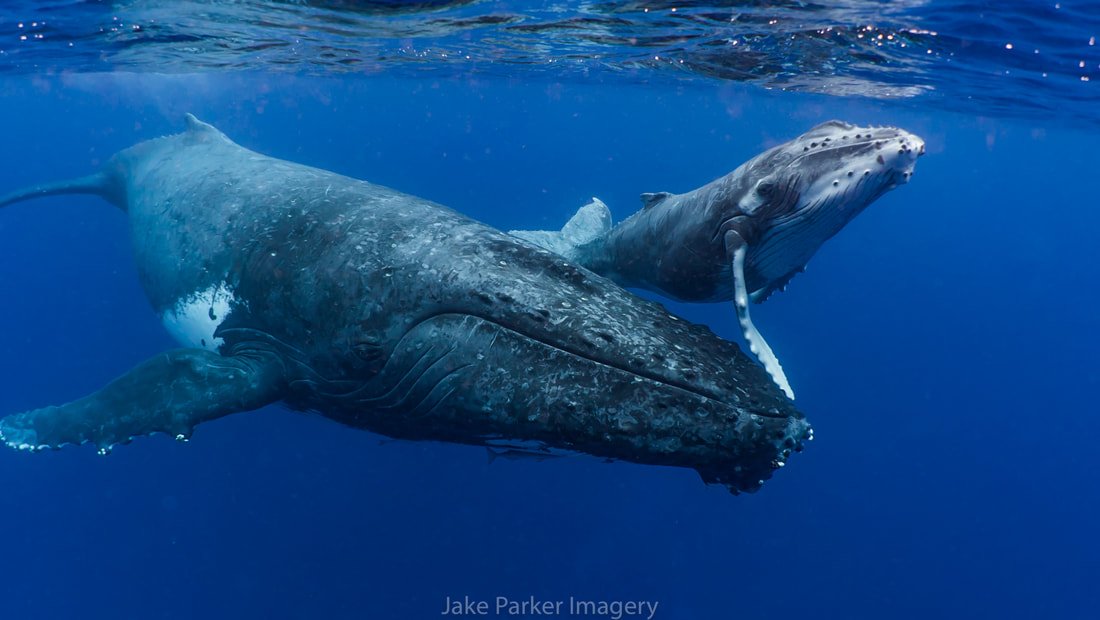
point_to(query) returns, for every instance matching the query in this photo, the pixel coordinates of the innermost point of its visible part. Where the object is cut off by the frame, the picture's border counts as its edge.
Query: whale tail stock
(590, 222)
(102, 184)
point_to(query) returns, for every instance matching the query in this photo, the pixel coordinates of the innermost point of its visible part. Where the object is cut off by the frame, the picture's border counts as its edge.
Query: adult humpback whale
(387, 312)
(745, 235)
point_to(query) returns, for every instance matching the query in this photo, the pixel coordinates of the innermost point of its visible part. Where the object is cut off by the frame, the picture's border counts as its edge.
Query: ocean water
(943, 344)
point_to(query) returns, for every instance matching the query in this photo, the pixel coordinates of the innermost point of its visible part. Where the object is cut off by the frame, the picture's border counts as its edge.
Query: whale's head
(794, 197)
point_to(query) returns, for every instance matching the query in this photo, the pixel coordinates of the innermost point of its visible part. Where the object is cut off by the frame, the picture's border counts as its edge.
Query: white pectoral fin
(756, 342)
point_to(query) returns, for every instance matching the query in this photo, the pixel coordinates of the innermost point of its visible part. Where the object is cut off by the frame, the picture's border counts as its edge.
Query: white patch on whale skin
(194, 319)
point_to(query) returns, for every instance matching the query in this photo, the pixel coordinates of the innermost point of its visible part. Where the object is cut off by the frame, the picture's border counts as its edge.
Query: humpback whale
(747, 234)
(387, 312)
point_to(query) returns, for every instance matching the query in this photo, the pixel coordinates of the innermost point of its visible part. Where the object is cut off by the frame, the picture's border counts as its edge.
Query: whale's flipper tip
(588, 224)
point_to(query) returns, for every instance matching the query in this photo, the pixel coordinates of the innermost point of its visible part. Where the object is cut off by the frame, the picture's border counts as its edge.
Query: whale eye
(765, 189)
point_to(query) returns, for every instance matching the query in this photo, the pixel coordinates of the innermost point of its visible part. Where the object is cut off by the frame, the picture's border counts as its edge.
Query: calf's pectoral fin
(736, 248)
(170, 393)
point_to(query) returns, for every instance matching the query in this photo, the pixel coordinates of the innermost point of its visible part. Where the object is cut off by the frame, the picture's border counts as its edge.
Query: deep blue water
(943, 345)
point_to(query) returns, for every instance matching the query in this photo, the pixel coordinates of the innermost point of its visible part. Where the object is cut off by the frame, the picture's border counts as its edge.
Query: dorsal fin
(650, 200)
(194, 124)
(201, 131)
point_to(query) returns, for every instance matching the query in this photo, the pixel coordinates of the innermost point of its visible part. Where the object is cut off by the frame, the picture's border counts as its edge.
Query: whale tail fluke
(590, 222)
(100, 184)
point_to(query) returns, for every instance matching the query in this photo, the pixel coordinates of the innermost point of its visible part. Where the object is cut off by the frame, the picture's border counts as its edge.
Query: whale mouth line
(316, 378)
(866, 189)
(609, 363)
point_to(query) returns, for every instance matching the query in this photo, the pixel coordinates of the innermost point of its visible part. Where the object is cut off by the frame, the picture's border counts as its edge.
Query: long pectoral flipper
(169, 393)
(737, 248)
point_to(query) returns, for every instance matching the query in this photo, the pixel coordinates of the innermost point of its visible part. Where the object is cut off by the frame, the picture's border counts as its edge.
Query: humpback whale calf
(745, 235)
(387, 312)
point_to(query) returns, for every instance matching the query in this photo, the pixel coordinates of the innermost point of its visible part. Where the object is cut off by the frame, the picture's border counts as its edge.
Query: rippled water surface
(990, 58)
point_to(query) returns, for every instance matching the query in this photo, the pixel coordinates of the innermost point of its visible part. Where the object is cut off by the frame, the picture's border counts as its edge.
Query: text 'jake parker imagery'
(504, 606)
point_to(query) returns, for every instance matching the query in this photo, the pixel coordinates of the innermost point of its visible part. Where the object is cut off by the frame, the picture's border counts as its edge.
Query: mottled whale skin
(390, 313)
(743, 236)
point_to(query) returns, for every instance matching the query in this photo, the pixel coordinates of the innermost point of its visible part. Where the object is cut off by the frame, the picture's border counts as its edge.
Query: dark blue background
(943, 345)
